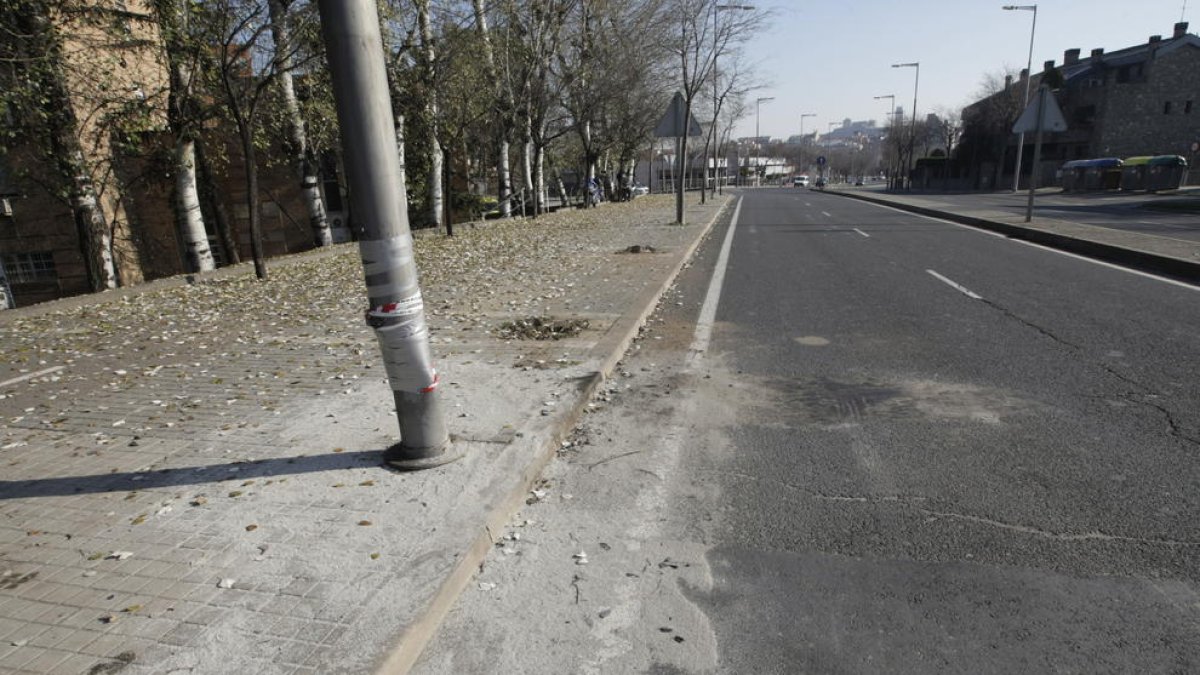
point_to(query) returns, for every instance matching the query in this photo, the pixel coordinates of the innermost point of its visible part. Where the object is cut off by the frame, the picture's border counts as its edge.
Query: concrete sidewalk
(1177, 258)
(192, 478)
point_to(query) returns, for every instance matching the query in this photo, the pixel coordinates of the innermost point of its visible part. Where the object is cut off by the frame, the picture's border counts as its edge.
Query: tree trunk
(539, 180)
(191, 217)
(429, 55)
(74, 169)
(504, 178)
(208, 196)
(305, 164)
(181, 119)
(251, 166)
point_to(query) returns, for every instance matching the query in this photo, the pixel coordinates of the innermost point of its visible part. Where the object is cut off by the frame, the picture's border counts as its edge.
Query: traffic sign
(821, 160)
(1052, 117)
(672, 126)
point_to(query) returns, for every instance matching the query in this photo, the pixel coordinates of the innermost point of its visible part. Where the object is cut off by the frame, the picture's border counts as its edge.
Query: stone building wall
(1137, 120)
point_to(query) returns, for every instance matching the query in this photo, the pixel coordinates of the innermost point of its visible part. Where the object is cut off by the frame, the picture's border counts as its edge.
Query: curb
(544, 441)
(1145, 261)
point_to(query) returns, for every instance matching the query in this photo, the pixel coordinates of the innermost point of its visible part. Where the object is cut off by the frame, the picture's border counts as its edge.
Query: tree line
(520, 95)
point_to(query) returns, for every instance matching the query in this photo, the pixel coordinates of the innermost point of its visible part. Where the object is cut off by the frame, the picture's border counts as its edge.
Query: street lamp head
(914, 64)
(1031, 8)
(891, 96)
(765, 98)
(745, 7)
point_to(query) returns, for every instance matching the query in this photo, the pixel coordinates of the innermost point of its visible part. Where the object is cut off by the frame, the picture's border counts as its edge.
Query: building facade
(1140, 100)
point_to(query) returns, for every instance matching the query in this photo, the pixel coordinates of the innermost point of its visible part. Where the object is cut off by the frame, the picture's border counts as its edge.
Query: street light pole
(892, 119)
(716, 138)
(1028, 79)
(757, 110)
(912, 134)
(802, 116)
(396, 312)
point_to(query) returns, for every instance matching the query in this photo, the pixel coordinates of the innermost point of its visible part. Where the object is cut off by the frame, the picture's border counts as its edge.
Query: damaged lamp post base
(420, 451)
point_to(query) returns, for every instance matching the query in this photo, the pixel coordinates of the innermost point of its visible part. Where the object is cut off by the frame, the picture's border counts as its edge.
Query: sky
(831, 57)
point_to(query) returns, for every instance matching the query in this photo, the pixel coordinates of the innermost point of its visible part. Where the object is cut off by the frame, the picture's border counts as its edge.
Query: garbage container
(1072, 175)
(1102, 174)
(1133, 173)
(1166, 172)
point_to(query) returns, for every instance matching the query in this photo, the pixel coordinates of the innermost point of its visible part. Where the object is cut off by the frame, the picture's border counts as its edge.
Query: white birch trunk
(504, 177)
(187, 195)
(436, 196)
(309, 184)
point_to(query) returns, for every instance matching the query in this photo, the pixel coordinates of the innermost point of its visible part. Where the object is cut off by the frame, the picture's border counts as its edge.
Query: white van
(800, 181)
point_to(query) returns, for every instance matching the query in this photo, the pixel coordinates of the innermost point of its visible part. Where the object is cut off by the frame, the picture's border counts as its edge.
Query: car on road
(800, 181)
(639, 190)
(820, 184)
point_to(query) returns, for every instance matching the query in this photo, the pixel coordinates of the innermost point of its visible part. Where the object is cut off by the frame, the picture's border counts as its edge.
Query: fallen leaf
(374, 556)
(139, 520)
(236, 493)
(131, 609)
(364, 523)
(251, 528)
(367, 483)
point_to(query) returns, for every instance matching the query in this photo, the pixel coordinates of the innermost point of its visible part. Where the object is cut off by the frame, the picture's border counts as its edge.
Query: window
(25, 268)
(1166, 107)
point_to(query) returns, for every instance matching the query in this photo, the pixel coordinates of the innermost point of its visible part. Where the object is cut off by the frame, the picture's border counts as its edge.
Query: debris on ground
(637, 248)
(541, 328)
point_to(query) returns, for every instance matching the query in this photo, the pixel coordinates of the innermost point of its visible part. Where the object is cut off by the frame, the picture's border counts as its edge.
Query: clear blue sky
(831, 57)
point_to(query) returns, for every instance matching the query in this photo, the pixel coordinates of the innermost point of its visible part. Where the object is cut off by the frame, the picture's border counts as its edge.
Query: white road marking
(940, 220)
(708, 311)
(30, 376)
(1148, 275)
(958, 287)
(861, 232)
(807, 204)
(826, 214)
(1165, 280)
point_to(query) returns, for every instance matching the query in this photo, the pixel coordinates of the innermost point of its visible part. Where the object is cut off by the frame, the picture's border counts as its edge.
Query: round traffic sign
(821, 160)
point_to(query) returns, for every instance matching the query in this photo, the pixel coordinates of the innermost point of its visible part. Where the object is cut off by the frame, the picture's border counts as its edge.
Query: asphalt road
(927, 480)
(910, 447)
(1119, 211)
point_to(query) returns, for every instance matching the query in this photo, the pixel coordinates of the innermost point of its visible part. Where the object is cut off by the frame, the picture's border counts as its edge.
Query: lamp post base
(403, 458)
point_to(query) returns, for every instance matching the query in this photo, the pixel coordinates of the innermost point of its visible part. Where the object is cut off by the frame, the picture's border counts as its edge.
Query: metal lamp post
(1028, 79)
(397, 312)
(716, 97)
(892, 119)
(757, 109)
(912, 134)
(802, 116)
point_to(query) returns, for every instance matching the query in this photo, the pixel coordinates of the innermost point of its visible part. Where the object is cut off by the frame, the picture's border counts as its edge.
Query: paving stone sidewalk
(191, 474)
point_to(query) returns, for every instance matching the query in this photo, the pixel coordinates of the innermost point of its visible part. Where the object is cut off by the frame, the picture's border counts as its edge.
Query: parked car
(800, 181)
(820, 184)
(639, 190)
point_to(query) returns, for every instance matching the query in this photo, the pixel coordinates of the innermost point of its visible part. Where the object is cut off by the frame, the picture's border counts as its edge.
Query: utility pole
(1028, 79)
(397, 314)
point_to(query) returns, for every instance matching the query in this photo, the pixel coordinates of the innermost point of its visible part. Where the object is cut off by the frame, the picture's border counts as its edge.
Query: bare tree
(306, 165)
(182, 56)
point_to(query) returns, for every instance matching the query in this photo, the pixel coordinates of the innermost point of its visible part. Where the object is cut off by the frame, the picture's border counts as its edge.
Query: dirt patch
(638, 248)
(541, 328)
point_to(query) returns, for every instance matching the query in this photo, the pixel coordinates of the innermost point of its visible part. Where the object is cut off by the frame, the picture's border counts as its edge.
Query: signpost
(673, 125)
(1042, 114)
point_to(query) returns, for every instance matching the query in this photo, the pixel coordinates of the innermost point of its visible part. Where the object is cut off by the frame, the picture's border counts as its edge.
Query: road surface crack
(916, 501)
(1058, 536)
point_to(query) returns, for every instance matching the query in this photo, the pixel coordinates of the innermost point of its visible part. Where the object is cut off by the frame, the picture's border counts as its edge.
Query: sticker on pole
(1052, 117)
